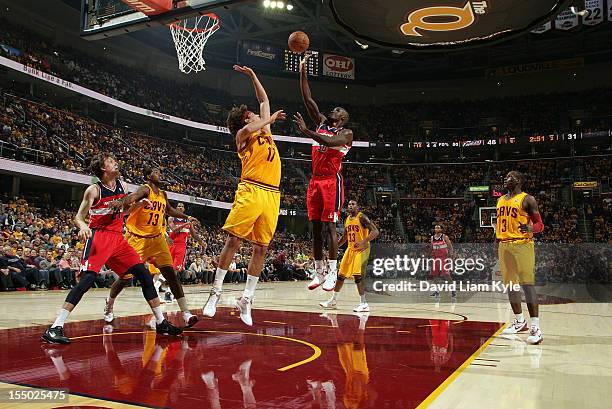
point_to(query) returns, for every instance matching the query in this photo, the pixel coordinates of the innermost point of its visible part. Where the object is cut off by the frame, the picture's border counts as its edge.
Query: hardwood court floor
(409, 355)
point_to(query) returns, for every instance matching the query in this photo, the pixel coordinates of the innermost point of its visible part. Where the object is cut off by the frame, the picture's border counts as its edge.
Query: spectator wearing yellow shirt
(18, 234)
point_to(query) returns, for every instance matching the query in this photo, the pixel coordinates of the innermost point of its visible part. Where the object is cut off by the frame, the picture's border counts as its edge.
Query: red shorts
(325, 198)
(438, 268)
(178, 252)
(110, 248)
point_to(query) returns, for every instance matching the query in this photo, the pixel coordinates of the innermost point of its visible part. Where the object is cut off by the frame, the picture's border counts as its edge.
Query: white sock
(219, 277)
(182, 302)
(159, 315)
(157, 284)
(333, 264)
(520, 317)
(249, 288)
(61, 318)
(535, 322)
(319, 266)
(362, 298)
(334, 296)
(110, 303)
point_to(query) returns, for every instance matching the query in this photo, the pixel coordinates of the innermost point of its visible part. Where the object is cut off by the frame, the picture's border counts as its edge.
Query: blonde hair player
(254, 213)
(359, 231)
(518, 218)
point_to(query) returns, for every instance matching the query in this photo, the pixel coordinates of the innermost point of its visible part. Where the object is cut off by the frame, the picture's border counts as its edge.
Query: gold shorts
(354, 263)
(254, 213)
(517, 262)
(154, 251)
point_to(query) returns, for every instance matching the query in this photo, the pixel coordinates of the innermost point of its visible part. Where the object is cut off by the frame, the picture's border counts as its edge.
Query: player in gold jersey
(146, 233)
(254, 213)
(359, 231)
(518, 218)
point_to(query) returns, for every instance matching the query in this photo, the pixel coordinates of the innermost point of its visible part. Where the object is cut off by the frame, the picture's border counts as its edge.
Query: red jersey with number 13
(327, 161)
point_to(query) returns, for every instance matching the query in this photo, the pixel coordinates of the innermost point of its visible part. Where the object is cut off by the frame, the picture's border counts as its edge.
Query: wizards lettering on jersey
(507, 211)
(327, 161)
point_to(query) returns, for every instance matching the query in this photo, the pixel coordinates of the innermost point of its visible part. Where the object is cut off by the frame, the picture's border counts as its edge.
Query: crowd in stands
(449, 119)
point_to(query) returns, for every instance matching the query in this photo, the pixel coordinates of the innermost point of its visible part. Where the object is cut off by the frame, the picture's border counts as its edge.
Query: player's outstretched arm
(260, 92)
(344, 137)
(89, 198)
(248, 130)
(127, 201)
(173, 212)
(530, 205)
(311, 105)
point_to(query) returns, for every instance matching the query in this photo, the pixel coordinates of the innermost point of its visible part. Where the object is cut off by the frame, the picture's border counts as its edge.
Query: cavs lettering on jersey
(510, 215)
(260, 160)
(149, 221)
(355, 232)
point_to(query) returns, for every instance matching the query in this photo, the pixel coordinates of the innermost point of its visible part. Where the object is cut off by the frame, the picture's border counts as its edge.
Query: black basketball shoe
(165, 328)
(55, 335)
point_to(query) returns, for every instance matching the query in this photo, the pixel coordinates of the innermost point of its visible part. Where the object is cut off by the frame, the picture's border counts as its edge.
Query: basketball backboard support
(487, 217)
(107, 18)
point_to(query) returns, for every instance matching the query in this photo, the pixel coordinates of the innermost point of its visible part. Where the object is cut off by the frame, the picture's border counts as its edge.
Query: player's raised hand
(304, 61)
(84, 233)
(299, 122)
(193, 220)
(244, 69)
(278, 115)
(526, 228)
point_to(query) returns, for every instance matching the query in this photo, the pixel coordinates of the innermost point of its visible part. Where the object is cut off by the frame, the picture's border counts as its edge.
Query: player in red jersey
(441, 248)
(180, 230)
(331, 142)
(105, 245)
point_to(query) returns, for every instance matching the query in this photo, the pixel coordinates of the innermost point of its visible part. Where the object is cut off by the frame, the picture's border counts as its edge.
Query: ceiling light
(280, 4)
(289, 7)
(363, 46)
(266, 3)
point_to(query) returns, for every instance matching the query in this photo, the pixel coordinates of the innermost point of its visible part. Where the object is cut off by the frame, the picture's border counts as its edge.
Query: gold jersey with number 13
(149, 221)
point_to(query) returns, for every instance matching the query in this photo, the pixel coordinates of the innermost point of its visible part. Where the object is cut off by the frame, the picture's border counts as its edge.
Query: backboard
(107, 18)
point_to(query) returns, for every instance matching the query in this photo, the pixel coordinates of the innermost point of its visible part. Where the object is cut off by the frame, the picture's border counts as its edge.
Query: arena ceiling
(376, 65)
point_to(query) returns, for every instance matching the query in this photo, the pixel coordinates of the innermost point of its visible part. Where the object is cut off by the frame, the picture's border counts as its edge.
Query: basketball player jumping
(331, 142)
(105, 244)
(359, 231)
(518, 218)
(254, 213)
(146, 233)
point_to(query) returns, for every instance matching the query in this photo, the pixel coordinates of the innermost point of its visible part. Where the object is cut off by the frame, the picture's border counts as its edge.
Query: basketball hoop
(190, 37)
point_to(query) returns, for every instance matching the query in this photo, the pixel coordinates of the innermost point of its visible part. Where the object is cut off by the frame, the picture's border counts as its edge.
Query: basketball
(298, 42)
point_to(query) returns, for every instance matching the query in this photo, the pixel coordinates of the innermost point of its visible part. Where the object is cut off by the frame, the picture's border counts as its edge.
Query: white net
(190, 37)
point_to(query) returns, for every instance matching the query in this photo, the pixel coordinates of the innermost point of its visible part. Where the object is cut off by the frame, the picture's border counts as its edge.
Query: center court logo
(424, 19)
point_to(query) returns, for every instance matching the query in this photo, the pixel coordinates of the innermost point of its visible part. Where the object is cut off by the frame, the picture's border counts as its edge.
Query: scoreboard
(554, 138)
(291, 62)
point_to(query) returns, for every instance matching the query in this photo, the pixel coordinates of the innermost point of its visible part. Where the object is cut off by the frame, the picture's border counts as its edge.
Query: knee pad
(358, 279)
(85, 283)
(341, 278)
(146, 281)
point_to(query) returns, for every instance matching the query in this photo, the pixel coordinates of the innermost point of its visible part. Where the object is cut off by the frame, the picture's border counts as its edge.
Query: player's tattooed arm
(344, 137)
(530, 205)
(173, 212)
(127, 201)
(89, 198)
(374, 232)
(311, 105)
